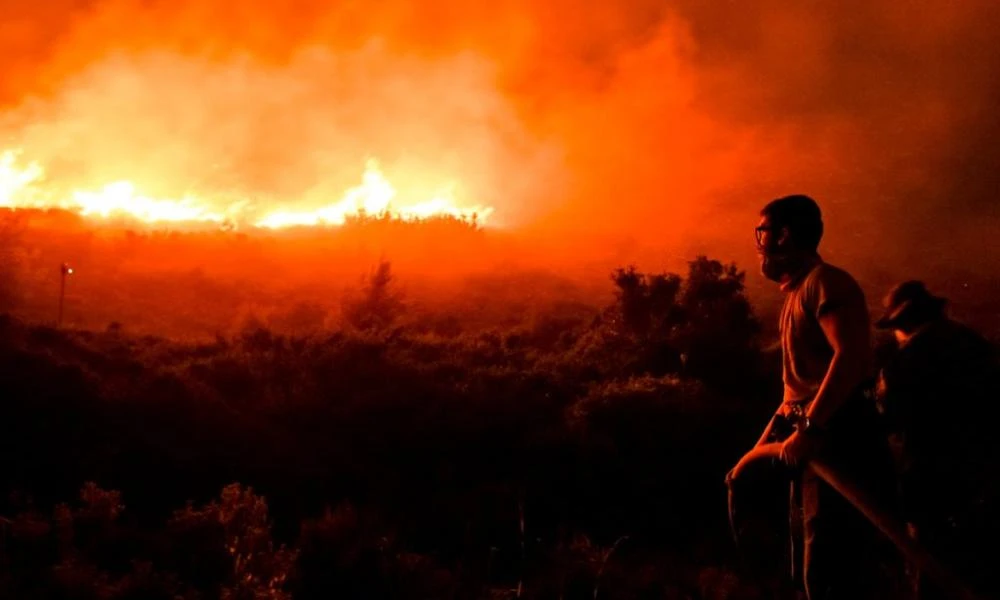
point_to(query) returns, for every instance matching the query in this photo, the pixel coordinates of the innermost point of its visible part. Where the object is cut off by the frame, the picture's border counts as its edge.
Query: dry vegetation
(512, 437)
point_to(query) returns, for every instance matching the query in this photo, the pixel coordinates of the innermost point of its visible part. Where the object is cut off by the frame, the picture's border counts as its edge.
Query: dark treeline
(199, 284)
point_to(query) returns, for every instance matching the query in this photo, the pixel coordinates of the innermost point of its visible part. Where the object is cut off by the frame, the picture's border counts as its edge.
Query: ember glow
(24, 185)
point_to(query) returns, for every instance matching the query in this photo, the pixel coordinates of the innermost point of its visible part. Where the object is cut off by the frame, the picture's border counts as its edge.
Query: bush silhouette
(379, 303)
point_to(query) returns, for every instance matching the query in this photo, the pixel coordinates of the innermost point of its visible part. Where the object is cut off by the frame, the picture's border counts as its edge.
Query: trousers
(834, 549)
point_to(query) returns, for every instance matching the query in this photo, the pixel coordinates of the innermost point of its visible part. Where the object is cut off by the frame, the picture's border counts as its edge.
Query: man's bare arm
(848, 368)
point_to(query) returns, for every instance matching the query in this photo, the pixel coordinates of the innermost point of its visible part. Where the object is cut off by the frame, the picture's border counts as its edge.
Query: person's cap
(909, 300)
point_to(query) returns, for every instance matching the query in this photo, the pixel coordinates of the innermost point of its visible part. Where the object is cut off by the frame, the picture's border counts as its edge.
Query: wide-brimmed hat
(909, 301)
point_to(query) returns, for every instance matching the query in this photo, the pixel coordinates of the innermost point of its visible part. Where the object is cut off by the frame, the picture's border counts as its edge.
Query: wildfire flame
(24, 186)
(14, 179)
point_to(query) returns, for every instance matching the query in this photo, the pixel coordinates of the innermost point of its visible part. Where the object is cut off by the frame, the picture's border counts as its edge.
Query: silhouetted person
(828, 366)
(936, 394)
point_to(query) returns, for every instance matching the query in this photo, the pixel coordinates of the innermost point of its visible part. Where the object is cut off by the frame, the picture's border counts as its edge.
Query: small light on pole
(64, 271)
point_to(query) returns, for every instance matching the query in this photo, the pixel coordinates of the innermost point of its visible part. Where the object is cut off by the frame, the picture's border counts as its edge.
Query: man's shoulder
(832, 277)
(960, 336)
(828, 271)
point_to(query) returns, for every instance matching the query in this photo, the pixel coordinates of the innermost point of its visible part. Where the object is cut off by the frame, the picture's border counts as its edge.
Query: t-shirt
(805, 351)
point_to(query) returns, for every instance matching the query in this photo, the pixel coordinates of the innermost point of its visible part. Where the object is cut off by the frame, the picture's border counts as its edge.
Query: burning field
(643, 131)
(464, 297)
(24, 187)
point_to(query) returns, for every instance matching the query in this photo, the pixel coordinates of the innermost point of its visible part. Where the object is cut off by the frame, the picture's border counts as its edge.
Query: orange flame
(24, 186)
(14, 180)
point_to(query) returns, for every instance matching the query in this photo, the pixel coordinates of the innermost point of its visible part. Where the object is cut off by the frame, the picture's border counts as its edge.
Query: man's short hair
(801, 215)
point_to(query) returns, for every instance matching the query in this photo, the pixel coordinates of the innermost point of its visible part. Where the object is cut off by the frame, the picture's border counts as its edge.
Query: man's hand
(798, 449)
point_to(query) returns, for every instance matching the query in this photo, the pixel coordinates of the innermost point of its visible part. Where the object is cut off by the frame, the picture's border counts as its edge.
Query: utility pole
(64, 271)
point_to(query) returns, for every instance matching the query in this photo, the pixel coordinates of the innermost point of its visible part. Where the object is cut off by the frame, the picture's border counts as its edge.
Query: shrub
(379, 303)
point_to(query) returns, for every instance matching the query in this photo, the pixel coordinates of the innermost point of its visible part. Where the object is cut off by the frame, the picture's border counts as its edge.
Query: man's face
(770, 242)
(765, 233)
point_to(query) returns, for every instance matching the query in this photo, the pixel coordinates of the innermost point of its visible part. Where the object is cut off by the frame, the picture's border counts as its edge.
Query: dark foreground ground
(573, 455)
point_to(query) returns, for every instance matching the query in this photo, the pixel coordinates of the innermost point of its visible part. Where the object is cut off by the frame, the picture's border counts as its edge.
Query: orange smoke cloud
(287, 138)
(669, 126)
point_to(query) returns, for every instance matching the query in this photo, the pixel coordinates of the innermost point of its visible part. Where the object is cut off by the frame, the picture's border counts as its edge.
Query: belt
(866, 391)
(798, 409)
(795, 412)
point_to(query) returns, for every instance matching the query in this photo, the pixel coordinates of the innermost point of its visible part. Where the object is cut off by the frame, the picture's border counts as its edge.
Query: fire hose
(877, 515)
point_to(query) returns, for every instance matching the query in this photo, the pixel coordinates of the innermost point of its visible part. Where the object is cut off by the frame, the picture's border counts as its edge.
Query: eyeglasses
(759, 233)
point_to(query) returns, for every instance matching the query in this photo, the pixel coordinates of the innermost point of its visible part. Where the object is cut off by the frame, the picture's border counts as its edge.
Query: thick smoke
(662, 126)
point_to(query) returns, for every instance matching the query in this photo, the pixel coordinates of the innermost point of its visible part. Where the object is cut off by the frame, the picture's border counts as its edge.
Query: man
(934, 394)
(827, 364)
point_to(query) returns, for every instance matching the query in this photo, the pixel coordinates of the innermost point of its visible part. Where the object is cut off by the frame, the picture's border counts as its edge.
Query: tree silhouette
(379, 304)
(702, 325)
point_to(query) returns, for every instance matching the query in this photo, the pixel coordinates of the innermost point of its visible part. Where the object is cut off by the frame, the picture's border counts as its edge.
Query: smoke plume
(659, 127)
